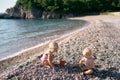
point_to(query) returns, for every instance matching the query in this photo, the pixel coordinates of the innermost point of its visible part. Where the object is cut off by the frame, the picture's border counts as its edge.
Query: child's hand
(54, 68)
(83, 69)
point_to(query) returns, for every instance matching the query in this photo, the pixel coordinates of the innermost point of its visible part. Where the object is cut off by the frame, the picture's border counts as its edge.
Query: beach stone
(102, 38)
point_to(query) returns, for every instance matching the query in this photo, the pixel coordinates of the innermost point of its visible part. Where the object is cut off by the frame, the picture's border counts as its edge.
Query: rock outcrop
(13, 12)
(4, 15)
(22, 13)
(51, 15)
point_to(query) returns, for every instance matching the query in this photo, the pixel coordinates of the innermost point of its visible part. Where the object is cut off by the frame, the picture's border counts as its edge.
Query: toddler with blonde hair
(48, 57)
(87, 61)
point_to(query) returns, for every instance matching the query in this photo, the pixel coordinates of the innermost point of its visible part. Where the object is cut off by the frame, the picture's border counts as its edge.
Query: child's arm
(81, 61)
(50, 59)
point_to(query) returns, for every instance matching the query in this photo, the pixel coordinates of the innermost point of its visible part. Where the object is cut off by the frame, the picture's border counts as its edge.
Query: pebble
(106, 54)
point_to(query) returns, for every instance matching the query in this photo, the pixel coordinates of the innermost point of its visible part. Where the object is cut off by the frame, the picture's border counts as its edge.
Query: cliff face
(13, 12)
(51, 15)
(22, 13)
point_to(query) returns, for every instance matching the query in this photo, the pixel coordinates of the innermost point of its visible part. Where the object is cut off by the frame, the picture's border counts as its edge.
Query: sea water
(20, 34)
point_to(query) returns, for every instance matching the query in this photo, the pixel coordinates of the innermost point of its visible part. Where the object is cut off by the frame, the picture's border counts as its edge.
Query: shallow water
(19, 34)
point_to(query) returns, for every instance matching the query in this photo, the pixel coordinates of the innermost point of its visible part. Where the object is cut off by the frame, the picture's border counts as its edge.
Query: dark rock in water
(5, 16)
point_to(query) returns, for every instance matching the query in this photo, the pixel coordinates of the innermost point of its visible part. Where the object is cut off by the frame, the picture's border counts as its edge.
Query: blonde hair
(87, 51)
(53, 44)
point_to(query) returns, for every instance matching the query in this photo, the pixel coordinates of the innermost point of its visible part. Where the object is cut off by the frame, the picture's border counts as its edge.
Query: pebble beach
(102, 35)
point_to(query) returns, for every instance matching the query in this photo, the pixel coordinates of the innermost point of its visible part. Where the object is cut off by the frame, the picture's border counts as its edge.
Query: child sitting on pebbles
(87, 62)
(48, 57)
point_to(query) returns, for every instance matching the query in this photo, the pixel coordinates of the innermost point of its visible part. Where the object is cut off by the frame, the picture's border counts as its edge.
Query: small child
(87, 61)
(47, 58)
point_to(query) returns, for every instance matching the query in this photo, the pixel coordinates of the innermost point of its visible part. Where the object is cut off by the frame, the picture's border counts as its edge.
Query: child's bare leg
(89, 71)
(47, 64)
(51, 62)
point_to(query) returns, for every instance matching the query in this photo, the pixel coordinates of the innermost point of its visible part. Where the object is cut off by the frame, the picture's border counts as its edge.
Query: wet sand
(102, 36)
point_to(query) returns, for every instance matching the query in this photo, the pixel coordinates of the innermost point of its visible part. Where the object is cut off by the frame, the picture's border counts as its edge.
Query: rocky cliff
(22, 13)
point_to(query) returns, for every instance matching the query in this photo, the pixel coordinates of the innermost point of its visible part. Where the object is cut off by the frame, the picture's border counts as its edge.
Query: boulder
(23, 13)
(4, 16)
(13, 12)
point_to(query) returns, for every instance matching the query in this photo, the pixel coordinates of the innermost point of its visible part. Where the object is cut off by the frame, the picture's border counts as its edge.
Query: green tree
(69, 6)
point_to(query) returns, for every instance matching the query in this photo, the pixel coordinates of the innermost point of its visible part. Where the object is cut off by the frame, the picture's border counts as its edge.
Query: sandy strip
(29, 54)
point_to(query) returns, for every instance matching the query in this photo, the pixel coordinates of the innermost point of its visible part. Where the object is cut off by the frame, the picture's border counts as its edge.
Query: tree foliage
(69, 6)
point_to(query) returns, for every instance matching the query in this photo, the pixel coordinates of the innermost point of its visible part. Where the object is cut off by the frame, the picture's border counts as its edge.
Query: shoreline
(95, 41)
(38, 37)
(21, 57)
(67, 33)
